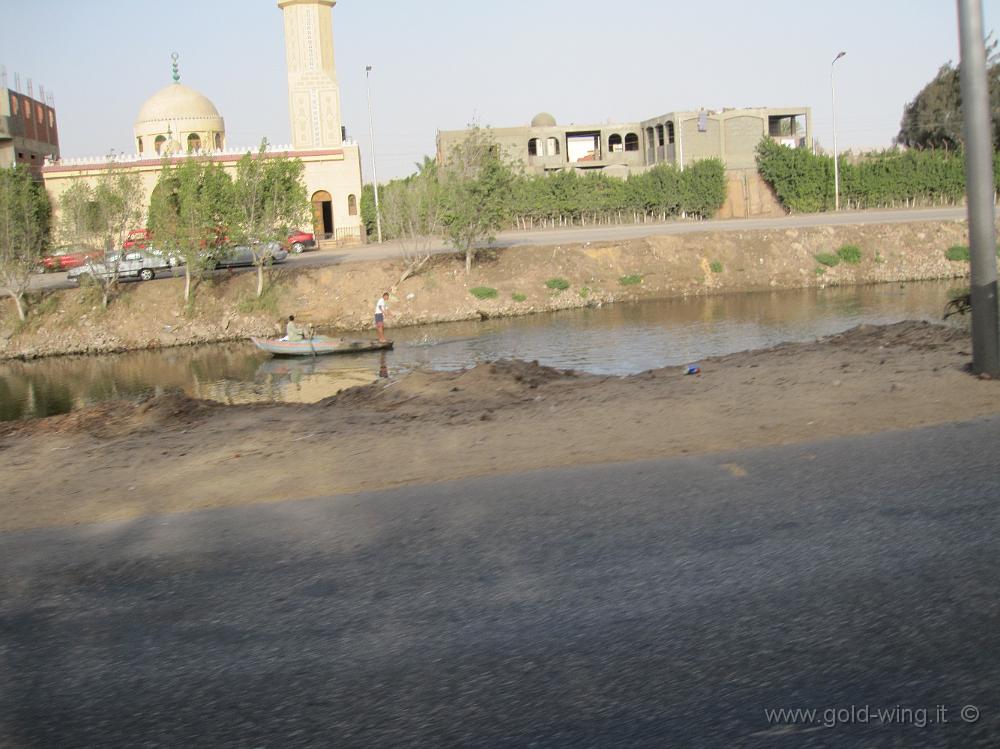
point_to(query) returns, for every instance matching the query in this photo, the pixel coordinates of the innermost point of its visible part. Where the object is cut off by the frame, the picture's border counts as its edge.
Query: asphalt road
(656, 604)
(390, 250)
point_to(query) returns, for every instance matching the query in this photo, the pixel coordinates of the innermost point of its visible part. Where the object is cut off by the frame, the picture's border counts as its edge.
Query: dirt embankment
(171, 453)
(342, 297)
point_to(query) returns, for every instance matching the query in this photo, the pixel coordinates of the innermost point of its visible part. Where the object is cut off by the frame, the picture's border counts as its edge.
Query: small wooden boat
(318, 346)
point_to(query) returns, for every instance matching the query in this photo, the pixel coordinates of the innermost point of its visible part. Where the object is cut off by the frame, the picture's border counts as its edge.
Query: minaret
(313, 93)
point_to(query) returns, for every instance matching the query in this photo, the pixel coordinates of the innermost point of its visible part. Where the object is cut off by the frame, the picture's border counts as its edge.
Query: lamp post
(371, 133)
(979, 188)
(836, 163)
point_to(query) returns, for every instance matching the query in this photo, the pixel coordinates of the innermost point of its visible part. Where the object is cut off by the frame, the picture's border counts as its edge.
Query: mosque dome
(543, 119)
(178, 118)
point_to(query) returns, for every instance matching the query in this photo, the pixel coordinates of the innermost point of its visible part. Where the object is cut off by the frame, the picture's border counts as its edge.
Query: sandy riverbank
(168, 454)
(342, 297)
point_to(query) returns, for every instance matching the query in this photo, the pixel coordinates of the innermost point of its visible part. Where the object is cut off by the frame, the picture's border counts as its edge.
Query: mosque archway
(322, 210)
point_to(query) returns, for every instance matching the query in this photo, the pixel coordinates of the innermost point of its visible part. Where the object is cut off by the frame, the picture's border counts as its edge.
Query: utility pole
(979, 189)
(836, 161)
(371, 133)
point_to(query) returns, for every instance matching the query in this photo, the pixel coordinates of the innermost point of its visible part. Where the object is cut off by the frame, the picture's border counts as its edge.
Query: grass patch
(850, 254)
(518, 297)
(957, 253)
(878, 258)
(715, 266)
(820, 270)
(483, 292)
(267, 303)
(585, 292)
(632, 280)
(557, 284)
(828, 259)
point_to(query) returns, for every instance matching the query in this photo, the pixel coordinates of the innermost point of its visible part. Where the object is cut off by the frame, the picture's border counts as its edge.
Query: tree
(269, 197)
(99, 216)
(188, 214)
(934, 118)
(475, 184)
(24, 225)
(411, 214)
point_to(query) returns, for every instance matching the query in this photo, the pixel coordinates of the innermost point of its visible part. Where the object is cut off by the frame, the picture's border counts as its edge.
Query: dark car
(242, 255)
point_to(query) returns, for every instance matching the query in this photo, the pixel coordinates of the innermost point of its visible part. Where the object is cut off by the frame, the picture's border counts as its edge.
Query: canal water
(616, 339)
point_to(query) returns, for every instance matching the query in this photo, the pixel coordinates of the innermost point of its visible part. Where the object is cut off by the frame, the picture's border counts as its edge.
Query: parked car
(242, 255)
(139, 239)
(300, 241)
(140, 264)
(66, 258)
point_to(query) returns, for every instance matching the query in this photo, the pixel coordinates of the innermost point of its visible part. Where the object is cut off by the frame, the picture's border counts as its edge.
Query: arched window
(631, 142)
(659, 135)
(158, 144)
(138, 142)
(615, 143)
(670, 132)
(552, 147)
(533, 147)
(218, 141)
(352, 205)
(194, 142)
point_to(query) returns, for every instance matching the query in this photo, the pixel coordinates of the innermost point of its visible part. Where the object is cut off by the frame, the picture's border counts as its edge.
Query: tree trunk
(19, 303)
(468, 260)
(260, 280)
(187, 283)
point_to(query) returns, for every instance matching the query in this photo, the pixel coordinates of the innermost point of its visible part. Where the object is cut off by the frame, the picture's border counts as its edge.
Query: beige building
(178, 122)
(678, 138)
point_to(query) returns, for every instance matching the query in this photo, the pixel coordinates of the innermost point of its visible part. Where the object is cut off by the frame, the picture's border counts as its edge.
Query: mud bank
(121, 460)
(341, 297)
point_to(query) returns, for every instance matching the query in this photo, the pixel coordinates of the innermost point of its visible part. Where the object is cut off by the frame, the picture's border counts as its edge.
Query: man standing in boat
(381, 310)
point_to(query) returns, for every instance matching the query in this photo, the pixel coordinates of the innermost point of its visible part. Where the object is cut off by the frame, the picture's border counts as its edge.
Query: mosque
(178, 122)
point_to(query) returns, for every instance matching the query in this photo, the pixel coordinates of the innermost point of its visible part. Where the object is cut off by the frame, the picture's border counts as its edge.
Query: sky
(441, 64)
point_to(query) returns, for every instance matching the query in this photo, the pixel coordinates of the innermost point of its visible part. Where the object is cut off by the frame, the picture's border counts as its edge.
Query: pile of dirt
(114, 419)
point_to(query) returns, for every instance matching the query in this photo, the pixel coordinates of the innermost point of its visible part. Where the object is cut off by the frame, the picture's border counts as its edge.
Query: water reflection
(617, 339)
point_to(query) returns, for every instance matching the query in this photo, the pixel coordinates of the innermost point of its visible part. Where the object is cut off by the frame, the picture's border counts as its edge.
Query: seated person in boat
(294, 332)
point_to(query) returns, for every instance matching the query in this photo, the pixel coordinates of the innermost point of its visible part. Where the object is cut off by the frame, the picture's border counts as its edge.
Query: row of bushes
(804, 182)
(567, 198)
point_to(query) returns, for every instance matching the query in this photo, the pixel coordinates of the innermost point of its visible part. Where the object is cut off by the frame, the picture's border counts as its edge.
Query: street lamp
(371, 133)
(836, 164)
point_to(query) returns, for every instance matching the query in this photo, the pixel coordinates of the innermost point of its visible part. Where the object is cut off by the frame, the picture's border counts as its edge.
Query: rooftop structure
(28, 130)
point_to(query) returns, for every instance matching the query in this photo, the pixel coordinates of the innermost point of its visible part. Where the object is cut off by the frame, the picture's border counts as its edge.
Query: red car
(138, 239)
(66, 258)
(300, 241)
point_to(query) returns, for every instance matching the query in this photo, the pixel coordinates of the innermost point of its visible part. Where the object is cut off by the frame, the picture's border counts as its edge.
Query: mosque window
(352, 205)
(194, 142)
(160, 140)
(631, 142)
(138, 142)
(218, 141)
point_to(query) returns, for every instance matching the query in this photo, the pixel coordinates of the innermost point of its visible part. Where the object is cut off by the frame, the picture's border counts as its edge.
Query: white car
(140, 264)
